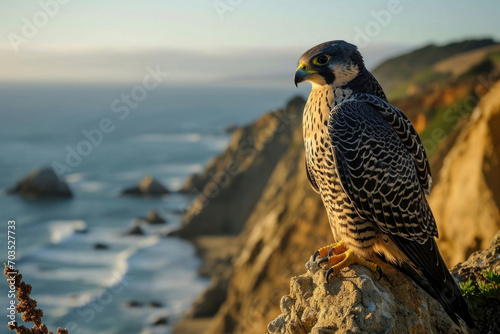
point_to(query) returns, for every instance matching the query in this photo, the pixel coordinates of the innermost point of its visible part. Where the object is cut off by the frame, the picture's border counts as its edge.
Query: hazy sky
(223, 41)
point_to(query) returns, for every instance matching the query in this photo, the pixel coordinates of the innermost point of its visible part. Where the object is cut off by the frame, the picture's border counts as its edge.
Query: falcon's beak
(302, 73)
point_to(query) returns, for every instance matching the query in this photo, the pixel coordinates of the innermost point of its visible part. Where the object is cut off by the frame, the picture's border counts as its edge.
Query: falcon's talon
(330, 252)
(322, 260)
(329, 274)
(336, 248)
(343, 260)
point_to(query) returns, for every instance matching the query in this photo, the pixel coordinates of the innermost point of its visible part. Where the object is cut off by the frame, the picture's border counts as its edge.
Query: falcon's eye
(321, 60)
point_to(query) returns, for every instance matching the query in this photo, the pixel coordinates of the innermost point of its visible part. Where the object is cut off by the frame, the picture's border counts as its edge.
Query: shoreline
(216, 254)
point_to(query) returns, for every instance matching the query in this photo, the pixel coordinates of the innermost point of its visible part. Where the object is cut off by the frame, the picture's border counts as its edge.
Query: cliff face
(288, 224)
(466, 199)
(232, 183)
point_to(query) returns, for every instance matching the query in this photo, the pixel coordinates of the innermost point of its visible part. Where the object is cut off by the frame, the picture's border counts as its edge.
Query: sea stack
(41, 183)
(148, 186)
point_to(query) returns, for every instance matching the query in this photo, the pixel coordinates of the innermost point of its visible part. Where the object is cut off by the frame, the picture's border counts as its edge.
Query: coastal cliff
(232, 183)
(278, 221)
(287, 224)
(466, 200)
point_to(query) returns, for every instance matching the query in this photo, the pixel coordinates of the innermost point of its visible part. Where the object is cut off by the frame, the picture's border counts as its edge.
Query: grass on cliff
(479, 293)
(443, 120)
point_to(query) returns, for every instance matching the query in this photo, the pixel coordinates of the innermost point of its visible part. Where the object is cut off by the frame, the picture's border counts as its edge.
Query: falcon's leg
(337, 248)
(345, 259)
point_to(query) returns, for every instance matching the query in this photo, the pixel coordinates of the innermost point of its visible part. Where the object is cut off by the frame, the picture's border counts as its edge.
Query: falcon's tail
(429, 271)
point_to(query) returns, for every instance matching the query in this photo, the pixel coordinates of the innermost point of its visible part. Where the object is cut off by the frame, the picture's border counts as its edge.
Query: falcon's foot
(338, 257)
(337, 248)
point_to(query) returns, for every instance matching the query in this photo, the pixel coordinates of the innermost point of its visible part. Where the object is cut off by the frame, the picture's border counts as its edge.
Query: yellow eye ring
(321, 60)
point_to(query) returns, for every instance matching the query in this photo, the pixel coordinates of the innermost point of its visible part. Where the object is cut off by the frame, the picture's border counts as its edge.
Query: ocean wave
(216, 143)
(159, 137)
(64, 229)
(76, 177)
(75, 257)
(91, 186)
(178, 168)
(133, 175)
(121, 261)
(106, 270)
(63, 302)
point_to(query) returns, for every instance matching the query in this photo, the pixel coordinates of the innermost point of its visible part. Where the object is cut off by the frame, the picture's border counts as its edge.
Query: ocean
(170, 134)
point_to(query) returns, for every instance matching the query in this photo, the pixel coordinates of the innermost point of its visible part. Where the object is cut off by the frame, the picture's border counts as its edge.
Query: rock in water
(147, 187)
(155, 304)
(135, 230)
(133, 303)
(356, 302)
(42, 182)
(100, 246)
(154, 217)
(160, 320)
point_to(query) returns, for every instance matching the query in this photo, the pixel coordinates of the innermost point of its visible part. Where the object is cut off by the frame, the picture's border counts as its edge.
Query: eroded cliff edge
(466, 200)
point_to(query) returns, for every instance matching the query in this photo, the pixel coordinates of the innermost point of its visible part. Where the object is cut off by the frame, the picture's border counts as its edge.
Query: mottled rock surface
(356, 302)
(487, 315)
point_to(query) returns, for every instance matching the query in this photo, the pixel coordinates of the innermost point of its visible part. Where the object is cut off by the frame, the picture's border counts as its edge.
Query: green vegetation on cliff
(398, 70)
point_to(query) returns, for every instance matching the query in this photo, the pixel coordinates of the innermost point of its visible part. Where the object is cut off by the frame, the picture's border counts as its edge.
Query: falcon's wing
(408, 135)
(378, 173)
(381, 178)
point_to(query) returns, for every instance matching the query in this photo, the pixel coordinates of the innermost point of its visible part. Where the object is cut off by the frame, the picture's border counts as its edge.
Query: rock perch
(356, 302)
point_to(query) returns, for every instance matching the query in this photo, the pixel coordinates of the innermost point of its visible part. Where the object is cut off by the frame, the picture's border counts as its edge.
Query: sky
(232, 42)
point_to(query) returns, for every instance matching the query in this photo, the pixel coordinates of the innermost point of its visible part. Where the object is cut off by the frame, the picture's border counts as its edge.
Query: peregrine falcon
(365, 159)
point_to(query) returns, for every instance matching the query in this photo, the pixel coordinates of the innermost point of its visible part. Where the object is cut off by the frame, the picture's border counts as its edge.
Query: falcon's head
(332, 63)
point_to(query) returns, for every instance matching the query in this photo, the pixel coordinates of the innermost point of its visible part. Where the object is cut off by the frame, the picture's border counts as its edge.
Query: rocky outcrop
(217, 253)
(210, 301)
(232, 183)
(466, 200)
(355, 301)
(41, 182)
(487, 310)
(148, 186)
(479, 262)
